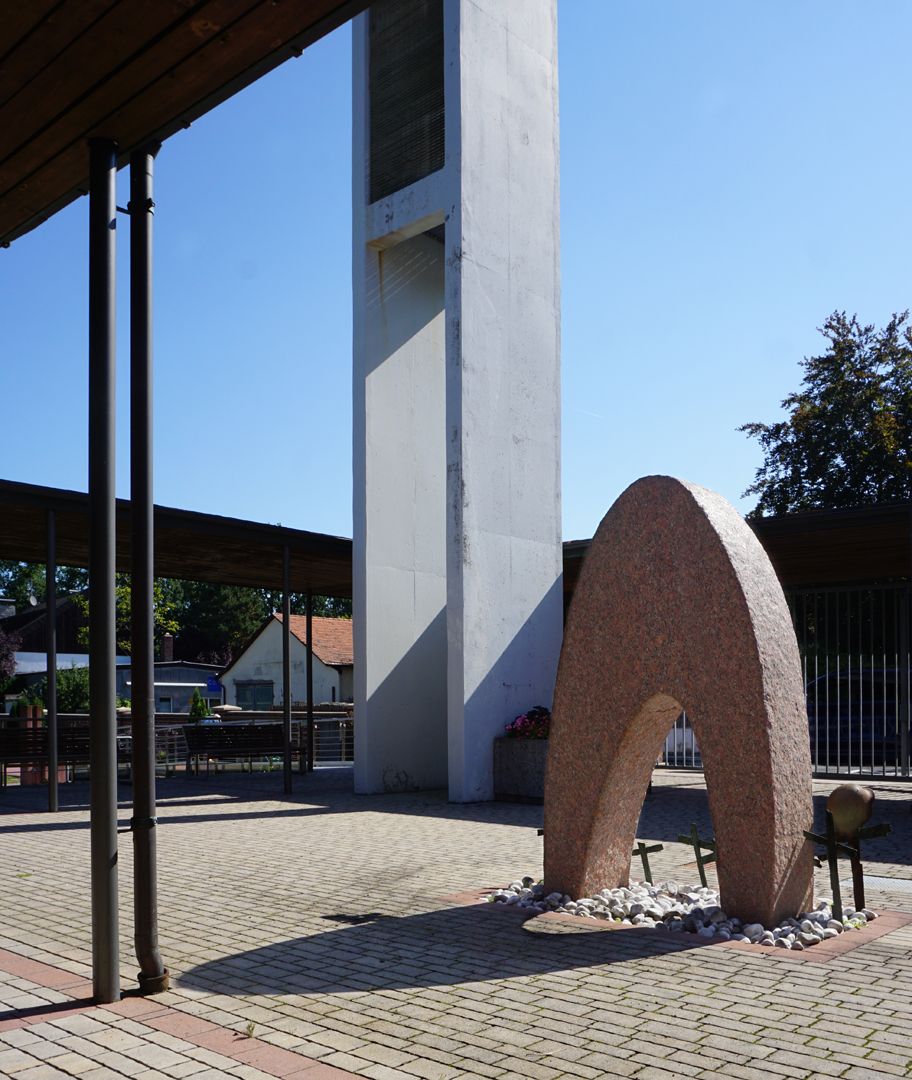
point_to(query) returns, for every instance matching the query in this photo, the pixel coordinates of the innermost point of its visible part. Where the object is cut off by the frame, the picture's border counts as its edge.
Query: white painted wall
(503, 380)
(400, 674)
(457, 539)
(263, 660)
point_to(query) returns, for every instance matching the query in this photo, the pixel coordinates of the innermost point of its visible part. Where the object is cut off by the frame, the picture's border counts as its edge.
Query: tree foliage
(72, 690)
(217, 621)
(9, 643)
(211, 623)
(199, 707)
(847, 437)
(167, 599)
(20, 581)
(330, 607)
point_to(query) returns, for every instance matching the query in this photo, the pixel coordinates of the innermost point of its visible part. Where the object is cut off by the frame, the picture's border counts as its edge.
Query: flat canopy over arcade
(196, 547)
(127, 70)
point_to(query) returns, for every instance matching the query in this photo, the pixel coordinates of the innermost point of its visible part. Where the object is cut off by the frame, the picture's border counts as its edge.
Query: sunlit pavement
(318, 936)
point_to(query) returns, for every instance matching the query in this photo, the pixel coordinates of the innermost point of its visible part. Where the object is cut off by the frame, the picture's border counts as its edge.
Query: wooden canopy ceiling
(196, 547)
(134, 71)
(839, 547)
(821, 548)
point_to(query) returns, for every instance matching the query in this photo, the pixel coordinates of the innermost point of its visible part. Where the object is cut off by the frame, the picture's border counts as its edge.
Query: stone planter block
(519, 768)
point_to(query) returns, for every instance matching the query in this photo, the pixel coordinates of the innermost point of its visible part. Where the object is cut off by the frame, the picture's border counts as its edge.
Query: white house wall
(263, 661)
(346, 683)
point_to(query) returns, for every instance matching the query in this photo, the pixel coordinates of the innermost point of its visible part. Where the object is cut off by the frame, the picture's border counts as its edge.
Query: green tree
(847, 437)
(330, 607)
(199, 707)
(167, 597)
(9, 643)
(20, 581)
(211, 623)
(217, 620)
(72, 690)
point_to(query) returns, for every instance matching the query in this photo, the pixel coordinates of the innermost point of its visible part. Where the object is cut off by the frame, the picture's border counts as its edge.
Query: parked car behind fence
(858, 722)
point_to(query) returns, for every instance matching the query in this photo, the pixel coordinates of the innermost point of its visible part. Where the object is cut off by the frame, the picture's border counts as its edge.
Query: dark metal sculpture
(644, 852)
(699, 846)
(848, 808)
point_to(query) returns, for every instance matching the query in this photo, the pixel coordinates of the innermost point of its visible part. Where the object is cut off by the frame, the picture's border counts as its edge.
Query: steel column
(50, 590)
(102, 643)
(153, 975)
(286, 667)
(311, 741)
(902, 680)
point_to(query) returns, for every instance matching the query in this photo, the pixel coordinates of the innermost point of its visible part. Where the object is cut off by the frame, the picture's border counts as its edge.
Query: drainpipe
(153, 975)
(102, 696)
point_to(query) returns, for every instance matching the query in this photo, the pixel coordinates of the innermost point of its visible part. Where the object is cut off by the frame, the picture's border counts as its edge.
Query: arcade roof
(127, 70)
(189, 545)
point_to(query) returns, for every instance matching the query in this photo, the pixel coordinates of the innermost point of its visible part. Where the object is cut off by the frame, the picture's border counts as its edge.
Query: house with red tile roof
(254, 679)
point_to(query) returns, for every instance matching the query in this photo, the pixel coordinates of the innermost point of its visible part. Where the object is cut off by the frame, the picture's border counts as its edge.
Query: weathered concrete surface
(399, 547)
(456, 420)
(679, 607)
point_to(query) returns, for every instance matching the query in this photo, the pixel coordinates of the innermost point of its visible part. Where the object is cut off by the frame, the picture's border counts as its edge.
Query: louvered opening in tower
(406, 93)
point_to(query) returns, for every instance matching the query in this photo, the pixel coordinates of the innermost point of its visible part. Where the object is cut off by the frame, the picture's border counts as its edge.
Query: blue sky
(732, 172)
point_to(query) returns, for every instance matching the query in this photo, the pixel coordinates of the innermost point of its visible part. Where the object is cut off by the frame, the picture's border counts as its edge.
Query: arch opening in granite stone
(678, 607)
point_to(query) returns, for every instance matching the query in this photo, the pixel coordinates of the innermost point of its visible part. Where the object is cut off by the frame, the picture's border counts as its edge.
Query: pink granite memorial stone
(678, 607)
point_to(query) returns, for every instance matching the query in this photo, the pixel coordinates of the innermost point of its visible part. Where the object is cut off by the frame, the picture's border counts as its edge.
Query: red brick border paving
(886, 923)
(243, 1049)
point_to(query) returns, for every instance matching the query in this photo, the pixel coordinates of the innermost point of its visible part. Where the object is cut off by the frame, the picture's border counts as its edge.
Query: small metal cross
(833, 849)
(697, 844)
(644, 852)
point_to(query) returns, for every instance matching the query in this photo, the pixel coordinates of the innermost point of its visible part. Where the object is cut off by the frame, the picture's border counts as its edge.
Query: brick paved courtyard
(311, 937)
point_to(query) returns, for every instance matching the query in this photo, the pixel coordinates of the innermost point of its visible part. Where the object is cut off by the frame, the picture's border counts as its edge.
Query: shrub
(534, 724)
(9, 643)
(72, 689)
(199, 707)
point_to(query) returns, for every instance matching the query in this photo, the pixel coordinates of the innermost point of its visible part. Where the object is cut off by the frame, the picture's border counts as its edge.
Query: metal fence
(333, 738)
(854, 645)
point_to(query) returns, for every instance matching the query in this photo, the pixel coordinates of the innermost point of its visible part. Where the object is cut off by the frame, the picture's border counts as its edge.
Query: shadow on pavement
(438, 948)
(668, 809)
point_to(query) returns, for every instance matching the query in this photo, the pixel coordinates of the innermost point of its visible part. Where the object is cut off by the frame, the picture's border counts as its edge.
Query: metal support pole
(153, 975)
(286, 667)
(102, 644)
(905, 706)
(50, 591)
(832, 860)
(311, 741)
(858, 886)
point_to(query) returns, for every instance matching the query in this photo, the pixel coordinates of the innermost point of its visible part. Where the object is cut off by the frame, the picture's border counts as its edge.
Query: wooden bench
(239, 742)
(26, 746)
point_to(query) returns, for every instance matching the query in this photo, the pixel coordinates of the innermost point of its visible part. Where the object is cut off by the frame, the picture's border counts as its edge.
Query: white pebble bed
(685, 909)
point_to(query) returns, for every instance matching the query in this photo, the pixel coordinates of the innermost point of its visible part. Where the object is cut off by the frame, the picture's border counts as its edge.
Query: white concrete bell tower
(457, 524)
